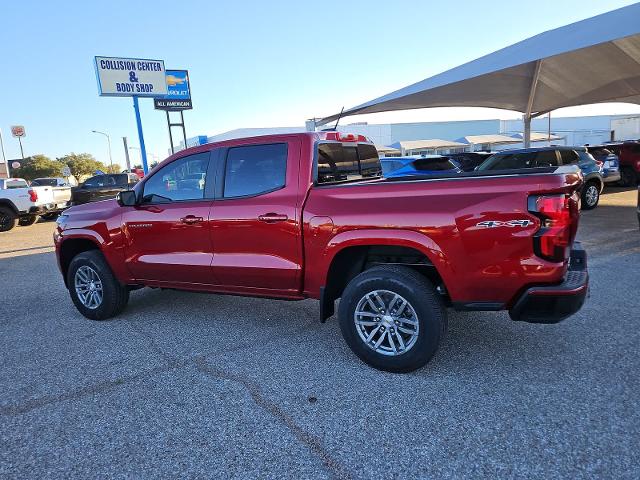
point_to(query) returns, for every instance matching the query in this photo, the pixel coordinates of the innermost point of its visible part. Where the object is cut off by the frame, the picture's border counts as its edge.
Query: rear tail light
(33, 195)
(559, 223)
(599, 163)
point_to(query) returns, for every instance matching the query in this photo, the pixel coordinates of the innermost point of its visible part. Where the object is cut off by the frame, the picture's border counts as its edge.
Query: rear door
(255, 219)
(167, 235)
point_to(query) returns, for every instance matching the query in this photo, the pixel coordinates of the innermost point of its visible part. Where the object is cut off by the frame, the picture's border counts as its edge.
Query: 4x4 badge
(510, 223)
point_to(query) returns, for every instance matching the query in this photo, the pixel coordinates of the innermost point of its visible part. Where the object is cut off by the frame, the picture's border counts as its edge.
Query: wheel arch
(4, 202)
(351, 253)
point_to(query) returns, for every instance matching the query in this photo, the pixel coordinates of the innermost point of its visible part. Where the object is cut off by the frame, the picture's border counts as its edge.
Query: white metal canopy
(595, 60)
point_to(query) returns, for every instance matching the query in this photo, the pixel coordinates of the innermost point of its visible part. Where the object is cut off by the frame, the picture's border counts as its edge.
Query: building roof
(494, 139)
(538, 136)
(385, 149)
(428, 144)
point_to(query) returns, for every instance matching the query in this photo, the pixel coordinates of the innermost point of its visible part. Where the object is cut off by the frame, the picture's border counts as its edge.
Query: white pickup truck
(21, 204)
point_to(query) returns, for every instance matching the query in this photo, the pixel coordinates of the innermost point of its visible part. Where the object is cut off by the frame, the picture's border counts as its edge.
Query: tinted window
(512, 161)
(568, 157)
(338, 163)
(255, 169)
(183, 179)
(120, 179)
(97, 181)
(549, 158)
(44, 182)
(433, 164)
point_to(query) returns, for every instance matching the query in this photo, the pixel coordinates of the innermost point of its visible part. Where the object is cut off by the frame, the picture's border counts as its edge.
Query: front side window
(255, 169)
(183, 179)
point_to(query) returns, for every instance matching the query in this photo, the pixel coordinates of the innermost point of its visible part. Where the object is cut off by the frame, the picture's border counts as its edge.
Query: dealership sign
(178, 95)
(18, 131)
(130, 77)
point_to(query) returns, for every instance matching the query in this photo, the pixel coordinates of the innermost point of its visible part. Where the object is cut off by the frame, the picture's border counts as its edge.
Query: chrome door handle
(273, 217)
(191, 219)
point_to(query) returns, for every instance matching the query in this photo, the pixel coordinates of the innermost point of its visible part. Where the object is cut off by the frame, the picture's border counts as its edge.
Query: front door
(255, 219)
(168, 235)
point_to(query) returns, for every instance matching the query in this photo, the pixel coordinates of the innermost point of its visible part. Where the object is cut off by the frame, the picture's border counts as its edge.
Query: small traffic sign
(18, 131)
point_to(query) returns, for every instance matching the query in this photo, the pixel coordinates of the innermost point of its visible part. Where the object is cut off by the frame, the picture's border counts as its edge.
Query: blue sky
(251, 63)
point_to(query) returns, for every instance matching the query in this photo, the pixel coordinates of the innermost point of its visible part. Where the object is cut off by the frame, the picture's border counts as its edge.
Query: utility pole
(126, 154)
(108, 144)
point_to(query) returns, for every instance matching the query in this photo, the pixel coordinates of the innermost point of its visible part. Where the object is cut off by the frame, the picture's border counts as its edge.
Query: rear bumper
(552, 304)
(612, 177)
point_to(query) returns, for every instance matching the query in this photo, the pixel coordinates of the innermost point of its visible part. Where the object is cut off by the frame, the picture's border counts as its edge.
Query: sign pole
(170, 136)
(143, 150)
(21, 151)
(184, 132)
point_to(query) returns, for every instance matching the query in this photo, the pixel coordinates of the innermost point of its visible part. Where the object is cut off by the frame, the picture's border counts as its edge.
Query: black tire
(590, 192)
(115, 295)
(28, 221)
(628, 177)
(50, 216)
(8, 219)
(422, 297)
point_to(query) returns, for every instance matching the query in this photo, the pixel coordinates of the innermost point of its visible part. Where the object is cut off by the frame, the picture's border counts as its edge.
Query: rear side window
(549, 158)
(97, 181)
(339, 163)
(255, 169)
(508, 161)
(569, 157)
(120, 179)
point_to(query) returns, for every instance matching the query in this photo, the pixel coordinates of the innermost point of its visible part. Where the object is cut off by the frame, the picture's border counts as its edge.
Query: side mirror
(126, 198)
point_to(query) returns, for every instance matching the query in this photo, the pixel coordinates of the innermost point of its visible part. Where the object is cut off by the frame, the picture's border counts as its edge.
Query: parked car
(61, 193)
(102, 187)
(555, 156)
(21, 204)
(629, 155)
(468, 161)
(393, 167)
(297, 216)
(610, 162)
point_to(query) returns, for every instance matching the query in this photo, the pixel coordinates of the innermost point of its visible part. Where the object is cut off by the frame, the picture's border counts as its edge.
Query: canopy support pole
(532, 94)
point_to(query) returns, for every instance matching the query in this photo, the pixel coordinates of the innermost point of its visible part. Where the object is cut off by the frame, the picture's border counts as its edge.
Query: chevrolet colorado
(308, 215)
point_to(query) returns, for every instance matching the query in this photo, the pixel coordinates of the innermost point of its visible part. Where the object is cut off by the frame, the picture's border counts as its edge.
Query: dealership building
(468, 135)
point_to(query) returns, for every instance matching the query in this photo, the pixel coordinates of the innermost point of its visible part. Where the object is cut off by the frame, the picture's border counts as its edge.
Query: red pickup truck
(309, 216)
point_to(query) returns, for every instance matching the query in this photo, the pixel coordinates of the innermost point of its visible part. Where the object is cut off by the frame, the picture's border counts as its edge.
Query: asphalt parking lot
(193, 385)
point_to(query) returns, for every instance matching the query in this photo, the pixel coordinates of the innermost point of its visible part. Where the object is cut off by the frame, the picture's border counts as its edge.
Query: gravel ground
(189, 385)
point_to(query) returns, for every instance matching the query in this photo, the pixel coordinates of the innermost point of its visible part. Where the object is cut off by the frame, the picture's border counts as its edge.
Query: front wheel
(590, 196)
(392, 318)
(94, 289)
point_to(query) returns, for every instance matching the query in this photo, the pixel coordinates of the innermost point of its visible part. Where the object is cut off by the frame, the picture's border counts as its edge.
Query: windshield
(338, 162)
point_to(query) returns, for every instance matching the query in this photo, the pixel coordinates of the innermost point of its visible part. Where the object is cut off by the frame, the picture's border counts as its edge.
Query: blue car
(426, 165)
(549, 157)
(610, 162)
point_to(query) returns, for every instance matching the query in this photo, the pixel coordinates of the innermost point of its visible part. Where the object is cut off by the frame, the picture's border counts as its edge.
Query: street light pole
(4, 157)
(109, 146)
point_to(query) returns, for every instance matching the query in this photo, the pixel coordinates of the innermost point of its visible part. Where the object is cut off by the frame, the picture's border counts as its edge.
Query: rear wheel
(392, 318)
(627, 177)
(8, 219)
(27, 221)
(590, 196)
(94, 290)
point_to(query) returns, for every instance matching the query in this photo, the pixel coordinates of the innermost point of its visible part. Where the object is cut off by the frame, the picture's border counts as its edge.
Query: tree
(115, 168)
(38, 166)
(82, 164)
